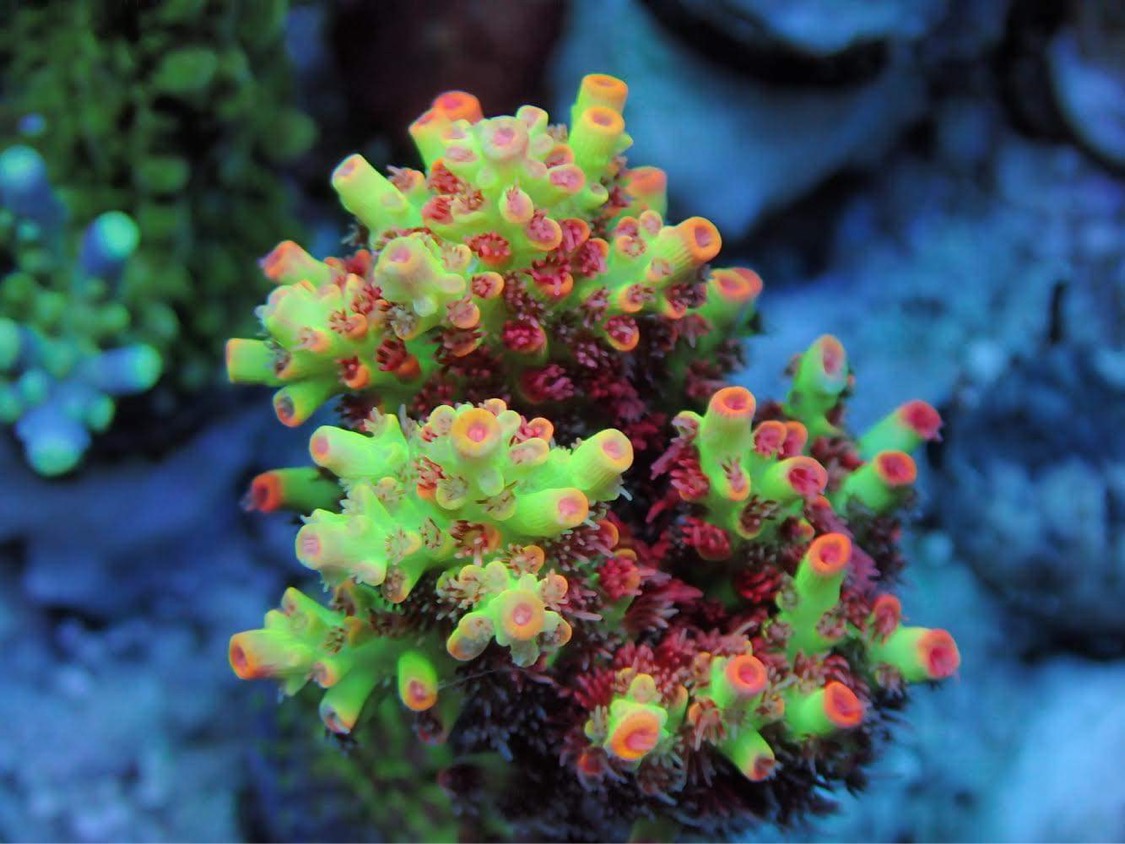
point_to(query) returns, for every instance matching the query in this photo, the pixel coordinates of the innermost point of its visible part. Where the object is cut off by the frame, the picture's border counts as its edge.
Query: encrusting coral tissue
(629, 598)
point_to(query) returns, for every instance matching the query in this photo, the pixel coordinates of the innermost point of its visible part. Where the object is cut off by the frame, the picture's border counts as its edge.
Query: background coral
(177, 114)
(65, 350)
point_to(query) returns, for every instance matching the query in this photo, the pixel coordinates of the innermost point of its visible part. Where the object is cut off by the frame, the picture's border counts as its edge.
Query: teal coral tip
(123, 371)
(54, 442)
(108, 243)
(9, 343)
(25, 189)
(54, 453)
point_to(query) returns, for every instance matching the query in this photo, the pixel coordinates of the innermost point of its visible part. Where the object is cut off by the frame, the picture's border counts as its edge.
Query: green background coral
(177, 113)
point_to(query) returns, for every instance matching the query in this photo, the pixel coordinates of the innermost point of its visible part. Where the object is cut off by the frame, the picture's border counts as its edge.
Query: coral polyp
(547, 524)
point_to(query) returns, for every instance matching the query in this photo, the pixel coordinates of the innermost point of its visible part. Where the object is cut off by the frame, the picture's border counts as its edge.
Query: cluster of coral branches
(624, 594)
(67, 351)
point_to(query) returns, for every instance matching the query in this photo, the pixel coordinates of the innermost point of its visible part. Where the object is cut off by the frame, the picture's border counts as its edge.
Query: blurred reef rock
(780, 97)
(1032, 487)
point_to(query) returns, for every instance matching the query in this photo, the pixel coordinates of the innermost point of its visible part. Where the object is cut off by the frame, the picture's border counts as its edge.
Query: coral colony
(65, 355)
(623, 615)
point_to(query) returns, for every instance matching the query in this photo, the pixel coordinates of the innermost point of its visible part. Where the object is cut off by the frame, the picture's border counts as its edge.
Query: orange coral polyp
(618, 449)
(624, 338)
(806, 476)
(279, 259)
(833, 358)
(458, 105)
(938, 654)
(747, 675)
(921, 418)
(602, 89)
(769, 436)
(470, 638)
(701, 238)
(841, 706)
(475, 433)
(402, 257)
(310, 547)
(603, 457)
(517, 207)
(503, 139)
(886, 613)
(256, 655)
(242, 660)
(796, 437)
(635, 735)
(266, 492)
(641, 182)
(760, 768)
(896, 468)
(545, 234)
(531, 558)
(737, 285)
(288, 263)
(356, 377)
(572, 508)
(568, 177)
(326, 673)
(521, 614)
(408, 370)
(829, 554)
(418, 696)
(347, 168)
(732, 403)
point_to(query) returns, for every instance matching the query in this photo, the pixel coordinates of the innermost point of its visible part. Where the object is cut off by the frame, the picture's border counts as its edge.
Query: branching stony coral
(652, 617)
(67, 349)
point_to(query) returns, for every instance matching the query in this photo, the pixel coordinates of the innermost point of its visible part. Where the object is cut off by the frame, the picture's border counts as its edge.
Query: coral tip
(921, 418)
(841, 705)
(733, 403)
(747, 675)
(896, 468)
(829, 554)
(939, 654)
(458, 105)
(475, 433)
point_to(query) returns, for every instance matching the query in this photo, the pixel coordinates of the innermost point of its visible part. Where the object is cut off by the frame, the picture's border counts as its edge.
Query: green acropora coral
(177, 114)
(67, 350)
(626, 596)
